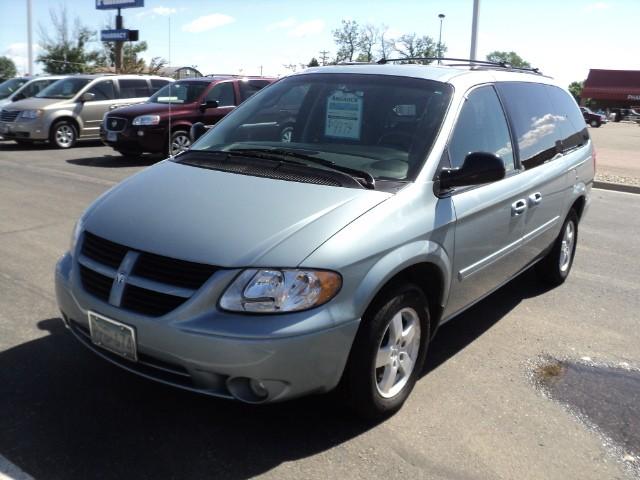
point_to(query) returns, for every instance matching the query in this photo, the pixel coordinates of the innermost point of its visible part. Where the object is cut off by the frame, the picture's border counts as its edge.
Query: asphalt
(475, 413)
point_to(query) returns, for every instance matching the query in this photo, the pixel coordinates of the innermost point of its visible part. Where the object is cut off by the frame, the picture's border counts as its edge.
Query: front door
(490, 217)
(93, 111)
(224, 94)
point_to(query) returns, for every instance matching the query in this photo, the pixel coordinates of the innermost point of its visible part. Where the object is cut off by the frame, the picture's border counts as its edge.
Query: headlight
(75, 235)
(280, 290)
(31, 114)
(147, 120)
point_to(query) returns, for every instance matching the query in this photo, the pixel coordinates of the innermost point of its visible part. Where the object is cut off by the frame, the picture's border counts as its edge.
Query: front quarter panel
(412, 227)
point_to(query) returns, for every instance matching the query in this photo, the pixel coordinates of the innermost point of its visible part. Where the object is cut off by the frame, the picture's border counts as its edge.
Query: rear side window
(481, 127)
(157, 84)
(223, 94)
(536, 122)
(133, 88)
(103, 90)
(573, 129)
(249, 87)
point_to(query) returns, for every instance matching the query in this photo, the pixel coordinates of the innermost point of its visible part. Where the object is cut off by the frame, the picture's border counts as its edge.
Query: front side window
(133, 88)
(64, 89)
(179, 92)
(223, 94)
(481, 127)
(103, 90)
(379, 124)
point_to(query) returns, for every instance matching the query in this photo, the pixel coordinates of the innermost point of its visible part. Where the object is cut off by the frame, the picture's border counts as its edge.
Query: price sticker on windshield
(344, 115)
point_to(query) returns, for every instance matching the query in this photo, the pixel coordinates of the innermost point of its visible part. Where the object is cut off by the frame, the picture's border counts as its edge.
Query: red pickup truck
(145, 127)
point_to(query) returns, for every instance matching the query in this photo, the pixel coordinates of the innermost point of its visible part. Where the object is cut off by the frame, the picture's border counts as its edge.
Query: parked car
(263, 268)
(73, 107)
(145, 127)
(8, 87)
(592, 118)
(628, 114)
(30, 88)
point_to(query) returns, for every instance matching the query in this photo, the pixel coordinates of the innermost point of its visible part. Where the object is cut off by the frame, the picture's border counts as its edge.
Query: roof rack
(464, 62)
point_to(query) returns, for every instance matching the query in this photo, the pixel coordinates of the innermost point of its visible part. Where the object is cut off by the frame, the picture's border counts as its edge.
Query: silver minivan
(263, 268)
(73, 107)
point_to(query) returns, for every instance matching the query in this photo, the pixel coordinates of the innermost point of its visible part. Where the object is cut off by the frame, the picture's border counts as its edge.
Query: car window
(536, 123)
(223, 94)
(133, 88)
(103, 90)
(249, 87)
(35, 87)
(157, 84)
(573, 129)
(481, 127)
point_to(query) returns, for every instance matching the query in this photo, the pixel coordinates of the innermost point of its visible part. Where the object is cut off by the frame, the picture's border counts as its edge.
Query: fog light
(140, 133)
(258, 388)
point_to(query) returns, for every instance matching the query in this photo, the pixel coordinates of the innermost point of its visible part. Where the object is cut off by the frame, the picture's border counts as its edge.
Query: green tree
(132, 62)
(66, 50)
(512, 58)
(346, 38)
(7, 68)
(575, 89)
(313, 63)
(367, 40)
(412, 46)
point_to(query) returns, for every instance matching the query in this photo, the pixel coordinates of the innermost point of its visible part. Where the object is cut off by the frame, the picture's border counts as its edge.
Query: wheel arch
(68, 118)
(578, 205)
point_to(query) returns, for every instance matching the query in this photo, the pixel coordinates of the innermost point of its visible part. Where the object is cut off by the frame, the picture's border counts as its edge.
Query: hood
(225, 219)
(132, 111)
(34, 103)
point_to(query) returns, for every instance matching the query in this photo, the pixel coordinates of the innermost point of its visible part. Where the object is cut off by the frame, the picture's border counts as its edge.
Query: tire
(180, 141)
(63, 134)
(374, 383)
(595, 123)
(555, 267)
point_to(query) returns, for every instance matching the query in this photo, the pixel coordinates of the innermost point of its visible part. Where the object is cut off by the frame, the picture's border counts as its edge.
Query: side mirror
(88, 97)
(196, 131)
(478, 168)
(209, 104)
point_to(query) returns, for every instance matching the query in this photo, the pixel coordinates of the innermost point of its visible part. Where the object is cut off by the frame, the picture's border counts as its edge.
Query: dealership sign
(119, 35)
(113, 4)
(633, 97)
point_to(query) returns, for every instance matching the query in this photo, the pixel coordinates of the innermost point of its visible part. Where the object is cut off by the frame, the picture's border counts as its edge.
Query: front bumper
(24, 130)
(172, 351)
(136, 139)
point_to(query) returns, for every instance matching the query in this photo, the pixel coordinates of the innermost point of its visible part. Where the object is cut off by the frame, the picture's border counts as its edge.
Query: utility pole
(29, 39)
(324, 56)
(441, 17)
(474, 30)
(118, 49)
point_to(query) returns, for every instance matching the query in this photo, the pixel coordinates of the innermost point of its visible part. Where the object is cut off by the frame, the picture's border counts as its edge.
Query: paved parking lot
(474, 414)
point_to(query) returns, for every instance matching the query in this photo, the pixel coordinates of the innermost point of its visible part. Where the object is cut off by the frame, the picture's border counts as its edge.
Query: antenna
(170, 94)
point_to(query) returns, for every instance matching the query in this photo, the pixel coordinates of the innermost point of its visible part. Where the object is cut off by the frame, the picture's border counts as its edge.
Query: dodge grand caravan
(262, 269)
(73, 107)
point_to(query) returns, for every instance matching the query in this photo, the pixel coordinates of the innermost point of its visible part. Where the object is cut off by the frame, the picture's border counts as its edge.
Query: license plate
(112, 136)
(113, 336)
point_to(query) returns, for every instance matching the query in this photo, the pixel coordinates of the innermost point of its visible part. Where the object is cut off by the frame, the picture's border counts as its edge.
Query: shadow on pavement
(115, 161)
(68, 414)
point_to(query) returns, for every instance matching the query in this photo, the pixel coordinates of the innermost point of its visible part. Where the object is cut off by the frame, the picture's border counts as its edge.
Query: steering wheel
(396, 139)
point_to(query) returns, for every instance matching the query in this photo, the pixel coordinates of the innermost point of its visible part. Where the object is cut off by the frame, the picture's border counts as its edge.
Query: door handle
(535, 198)
(518, 207)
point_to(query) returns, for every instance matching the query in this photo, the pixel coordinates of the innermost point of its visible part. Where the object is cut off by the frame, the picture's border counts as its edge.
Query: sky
(564, 38)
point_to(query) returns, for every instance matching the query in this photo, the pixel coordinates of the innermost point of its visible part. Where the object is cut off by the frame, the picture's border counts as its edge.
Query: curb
(618, 187)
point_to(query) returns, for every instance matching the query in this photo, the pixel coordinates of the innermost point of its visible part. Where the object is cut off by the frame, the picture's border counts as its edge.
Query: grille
(9, 115)
(115, 124)
(156, 268)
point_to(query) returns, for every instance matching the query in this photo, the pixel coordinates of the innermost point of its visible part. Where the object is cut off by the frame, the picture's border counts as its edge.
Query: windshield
(10, 86)
(179, 92)
(65, 88)
(379, 124)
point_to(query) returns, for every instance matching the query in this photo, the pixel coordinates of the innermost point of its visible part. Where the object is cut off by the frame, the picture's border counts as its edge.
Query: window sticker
(344, 115)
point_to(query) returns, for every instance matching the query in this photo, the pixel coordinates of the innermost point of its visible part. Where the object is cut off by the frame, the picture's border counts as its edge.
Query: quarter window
(481, 127)
(573, 129)
(223, 94)
(103, 90)
(134, 88)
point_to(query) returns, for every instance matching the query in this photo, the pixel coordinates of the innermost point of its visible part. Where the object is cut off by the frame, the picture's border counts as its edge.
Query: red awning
(612, 85)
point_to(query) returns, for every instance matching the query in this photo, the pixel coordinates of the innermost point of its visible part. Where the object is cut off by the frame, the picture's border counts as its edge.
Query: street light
(441, 17)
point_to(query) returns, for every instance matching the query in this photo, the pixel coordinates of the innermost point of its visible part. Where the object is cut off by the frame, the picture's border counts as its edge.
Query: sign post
(120, 34)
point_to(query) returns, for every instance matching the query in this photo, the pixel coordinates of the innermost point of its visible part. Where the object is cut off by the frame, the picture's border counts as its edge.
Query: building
(612, 88)
(181, 72)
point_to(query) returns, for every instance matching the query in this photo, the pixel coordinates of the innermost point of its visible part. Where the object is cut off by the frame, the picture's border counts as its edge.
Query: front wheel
(595, 123)
(180, 142)
(555, 267)
(63, 134)
(388, 353)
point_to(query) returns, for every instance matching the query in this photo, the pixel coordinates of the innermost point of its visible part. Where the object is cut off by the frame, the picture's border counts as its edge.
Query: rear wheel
(388, 353)
(555, 267)
(63, 134)
(180, 142)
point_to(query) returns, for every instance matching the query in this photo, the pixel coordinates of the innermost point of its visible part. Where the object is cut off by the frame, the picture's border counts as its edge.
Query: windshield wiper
(363, 177)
